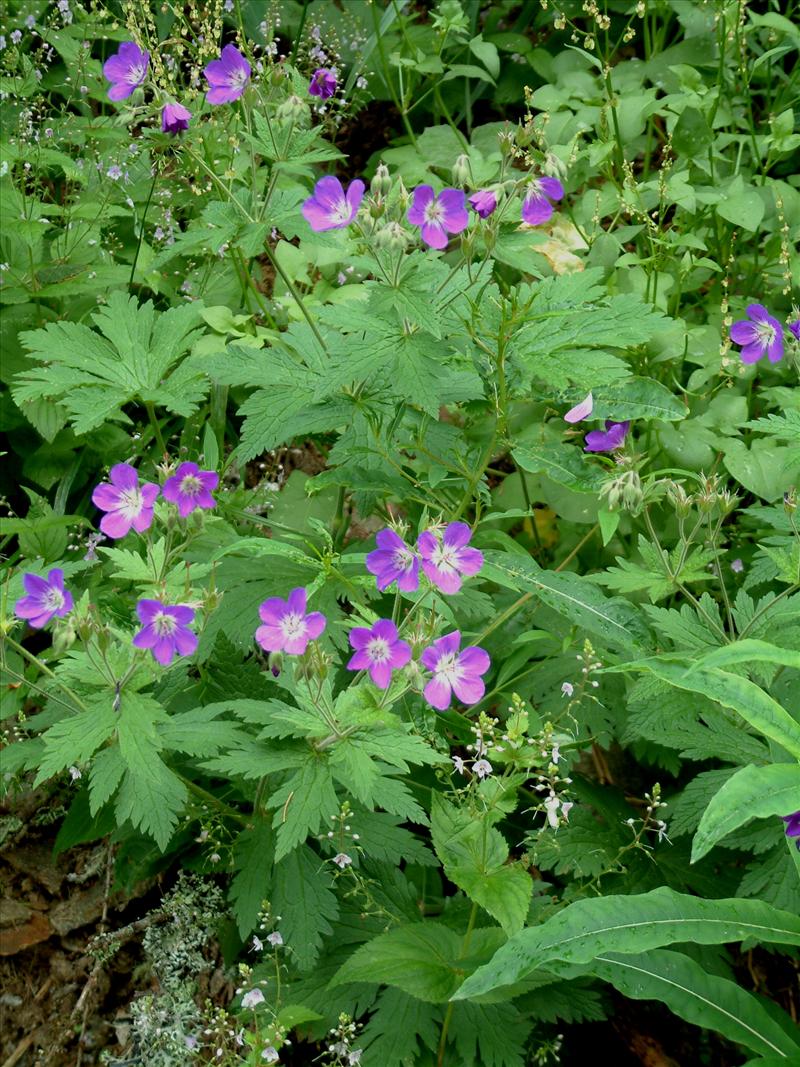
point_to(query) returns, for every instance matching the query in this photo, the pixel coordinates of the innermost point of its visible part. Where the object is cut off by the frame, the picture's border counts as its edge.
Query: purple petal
(273, 610)
(124, 476)
(359, 637)
(469, 689)
(164, 650)
(317, 217)
(409, 580)
(270, 638)
(752, 353)
(433, 235)
(456, 216)
(296, 646)
(580, 411)
(449, 643)
(120, 91)
(456, 535)
(360, 660)
(758, 313)
(536, 209)
(297, 600)
(469, 560)
(329, 192)
(143, 521)
(386, 630)
(474, 660)
(438, 694)
(743, 332)
(182, 613)
(35, 586)
(552, 187)
(775, 349)
(185, 641)
(115, 524)
(430, 657)
(355, 194)
(148, 609)
(422, 196)
(427, 543)
(146, 637)
(448, 581)
(315, 624)
(381, 675)
(389, 540)
(400, 655)
(223, 94)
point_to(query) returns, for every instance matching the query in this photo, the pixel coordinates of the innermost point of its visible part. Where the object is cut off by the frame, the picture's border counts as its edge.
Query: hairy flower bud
(506, 139)
(790, 500)
(392, 236)
(381, 183)
(293, 109)
(461, 171)
(679, 499)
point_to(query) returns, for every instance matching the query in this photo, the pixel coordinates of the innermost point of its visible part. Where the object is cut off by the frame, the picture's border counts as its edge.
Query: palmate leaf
(704, 999)
(303, 896)
(630, 924)
(304, 803)
(137, 355)
(753, 792)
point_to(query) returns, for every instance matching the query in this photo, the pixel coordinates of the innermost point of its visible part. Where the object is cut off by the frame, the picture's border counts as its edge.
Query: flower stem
(141, 228)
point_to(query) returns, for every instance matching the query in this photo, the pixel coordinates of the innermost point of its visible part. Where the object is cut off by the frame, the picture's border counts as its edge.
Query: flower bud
(404, 197)
(506, 139)
(275, 663)
(461, 171)
(790, 500)
(64, 635)
(293, 109)
(277, 75)
(377, 208)
(381, 183)
(679, 499)
(392, 236)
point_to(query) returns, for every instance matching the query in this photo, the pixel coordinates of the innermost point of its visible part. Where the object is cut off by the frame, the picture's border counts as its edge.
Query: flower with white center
(482, 767)
(342, 860)
(567, 689)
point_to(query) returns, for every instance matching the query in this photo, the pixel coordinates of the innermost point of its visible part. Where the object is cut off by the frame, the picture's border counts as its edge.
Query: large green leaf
(637, 398)
(475, 857)
(303, 896)
(753, 792)
(743, 653)
(740, 694)
(590, 928)
(703, 999)
(251, 885)
(564, 464)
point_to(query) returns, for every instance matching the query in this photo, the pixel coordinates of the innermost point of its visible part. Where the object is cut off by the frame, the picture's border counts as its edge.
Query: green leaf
(75, 738)
(742, 206)
(746, 652)
(740, 694)
(422, 959)
(251, 886)
(475, 857)
(303, 896)
(564, 464)
(637, 398)
(588, 928)
(703, 999)
(614, 620)
(753, 792)
(396, 1026)
(304, 803)
(764, 468)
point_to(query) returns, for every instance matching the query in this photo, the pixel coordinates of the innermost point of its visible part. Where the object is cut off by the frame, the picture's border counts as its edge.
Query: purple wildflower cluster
(288, 627)
(761, 334)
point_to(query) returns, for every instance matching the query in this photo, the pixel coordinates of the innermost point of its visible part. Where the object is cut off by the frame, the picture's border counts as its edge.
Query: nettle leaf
(686, 811)
(654, 577)
(564, 464)
(706, 1000)
(138, 355)
(475, 857)
(396, 1027)
(422, 959)
(492, 1035)
(630, 924)
(385, 840)
(753, 792)
(303, 896)
(251, 885)
(304, 804)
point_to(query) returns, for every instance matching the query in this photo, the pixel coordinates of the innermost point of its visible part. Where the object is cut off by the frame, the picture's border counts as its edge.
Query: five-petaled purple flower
(287, 627)
(45, 598)
(454, 671)
(126, 70)
(227, 76)
(175, 118)
(537, 207)
(379, 651)
(759, 334)
(330, 208)
(190, 488)
(445, 560)
(127, 503)
(392, 561)
(323, 83)
(165, 630)
(794, 329)
(607, 440)
(483, 202)
(438, 215)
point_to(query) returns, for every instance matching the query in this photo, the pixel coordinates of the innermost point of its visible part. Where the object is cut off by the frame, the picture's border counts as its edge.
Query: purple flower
(454, 672)
(190, 488)
(175, 118)
(609, 439)
(379, 651)
(330, 208)
(128, 504)
(227, 76)
(483, 202)
(323, 83)
(536, 207)
(438, 215)
(165, 630)
(793, 825)
(393, 561)
(580, 411)
(46, 597)
(126, 70)
(446, 560)
(287, 627)
(794, 329)
(763, 334)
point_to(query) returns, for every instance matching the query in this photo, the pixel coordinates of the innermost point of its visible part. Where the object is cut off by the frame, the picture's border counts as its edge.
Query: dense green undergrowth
(438, 794)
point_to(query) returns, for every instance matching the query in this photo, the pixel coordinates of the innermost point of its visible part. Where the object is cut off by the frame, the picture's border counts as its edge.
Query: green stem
(151, 414)
(215, 802)
(36, 662)
(141, 229)
(473, 915)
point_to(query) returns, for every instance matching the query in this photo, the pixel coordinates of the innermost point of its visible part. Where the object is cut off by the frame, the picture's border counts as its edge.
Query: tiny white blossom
(252, 998)
(270, 1054)
(458, 764)
(275, 938)
(342, 860)
(552, 804)
(258, 944)
(567, 689)
(482, 767)
(75, 774)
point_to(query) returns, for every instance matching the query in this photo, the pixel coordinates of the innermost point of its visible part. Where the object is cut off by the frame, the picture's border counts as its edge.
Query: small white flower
(556, 754)
(342, 860)
(482, 767)
(75, 774)
(566, 806)
(552, 803)
(737, 566)
(567, 689)
(258, 944)
(354, 1057)
(458, 764)
(275, 938)
(270, 1054)
(253, 998)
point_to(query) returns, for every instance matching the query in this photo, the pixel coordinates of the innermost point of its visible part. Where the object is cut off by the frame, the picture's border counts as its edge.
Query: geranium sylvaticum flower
(439, 215)
(126, 70)
(607, 440)
(175, 118)
(330, 208)
(794, 329)
(227, 76)
(792, 825)
(580, 411)
(393, 561)
(537, 207)
(190, 488)
(165, 630)
(447, 558)
(323, 83)
(287, 626)
(379, 651)
(126, 503)
(454, 671)
(759, 334)
(45, 598)
(483, 202)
